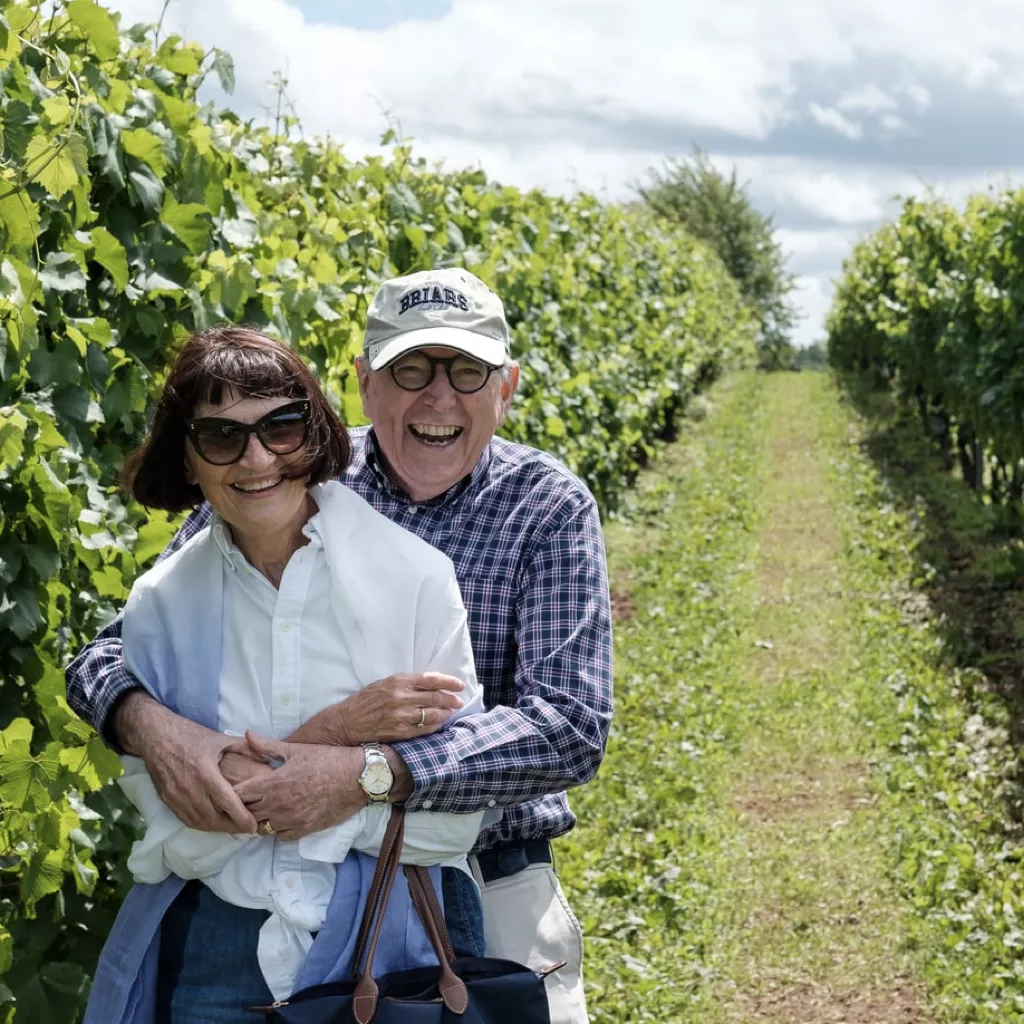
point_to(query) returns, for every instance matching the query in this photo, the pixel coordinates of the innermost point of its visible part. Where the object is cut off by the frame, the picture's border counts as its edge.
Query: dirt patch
(623, 605)
(832, 791)
(808, 1002)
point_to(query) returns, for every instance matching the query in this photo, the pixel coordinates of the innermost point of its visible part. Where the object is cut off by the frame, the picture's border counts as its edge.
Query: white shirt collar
(221, 533)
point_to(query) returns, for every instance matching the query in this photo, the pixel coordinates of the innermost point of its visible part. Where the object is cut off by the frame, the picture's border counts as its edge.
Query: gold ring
(268, 828)
(423, 718)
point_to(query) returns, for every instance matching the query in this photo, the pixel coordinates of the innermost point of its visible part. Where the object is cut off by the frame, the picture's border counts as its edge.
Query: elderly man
(436, 382)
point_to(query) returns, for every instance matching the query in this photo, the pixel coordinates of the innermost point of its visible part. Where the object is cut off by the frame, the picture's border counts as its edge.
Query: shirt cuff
(436, 773)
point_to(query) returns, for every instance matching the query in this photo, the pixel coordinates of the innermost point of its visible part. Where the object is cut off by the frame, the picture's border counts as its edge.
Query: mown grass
(801, 813)
(637, 867)
(922, 550)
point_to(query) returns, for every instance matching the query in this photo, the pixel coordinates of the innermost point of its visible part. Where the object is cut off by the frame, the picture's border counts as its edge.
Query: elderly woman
(298, 595)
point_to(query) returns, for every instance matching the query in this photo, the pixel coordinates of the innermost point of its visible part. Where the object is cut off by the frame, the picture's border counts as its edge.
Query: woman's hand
(399, 707)
(237, 765)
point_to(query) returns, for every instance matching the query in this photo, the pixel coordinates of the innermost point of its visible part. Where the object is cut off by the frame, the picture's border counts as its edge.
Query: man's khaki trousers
(527, 919)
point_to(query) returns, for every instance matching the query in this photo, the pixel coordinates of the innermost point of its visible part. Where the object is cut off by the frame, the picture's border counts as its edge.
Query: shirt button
(286, 627)
(290, 882)
(491, 803)
(427, 804)
(285, 699)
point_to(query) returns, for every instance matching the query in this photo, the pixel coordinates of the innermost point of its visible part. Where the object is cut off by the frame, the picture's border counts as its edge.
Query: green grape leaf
(182, 61)
(43, 875)
(19, 612)
(145, 146)
(61, 273)
(16, 122)
(152, 538)
(190, 222)
(24, 778)
(53, 163)
(98, 25)
(109, 253)
(224, 65)
(57, 110)
(19, 731)
(19, 221)
(12, 437)
(147, 188)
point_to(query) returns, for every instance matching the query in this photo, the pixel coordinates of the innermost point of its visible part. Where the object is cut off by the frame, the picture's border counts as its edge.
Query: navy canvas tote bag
(469, 990)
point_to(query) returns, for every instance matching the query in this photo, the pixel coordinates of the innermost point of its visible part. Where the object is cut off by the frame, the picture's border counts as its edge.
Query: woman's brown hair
(213, 362)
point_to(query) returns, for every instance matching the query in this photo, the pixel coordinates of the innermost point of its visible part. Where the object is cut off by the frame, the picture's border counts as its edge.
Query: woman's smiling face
(251, 495)
(432, 438)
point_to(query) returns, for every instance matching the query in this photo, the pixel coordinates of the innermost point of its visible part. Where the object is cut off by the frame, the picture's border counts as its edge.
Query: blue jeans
(208, 968)
(208, 971)
(463, 912)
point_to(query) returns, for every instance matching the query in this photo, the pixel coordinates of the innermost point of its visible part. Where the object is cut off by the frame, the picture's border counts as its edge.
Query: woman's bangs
(253, 372)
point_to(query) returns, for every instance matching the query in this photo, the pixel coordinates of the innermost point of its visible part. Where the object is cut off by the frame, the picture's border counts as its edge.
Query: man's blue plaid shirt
(526, 541)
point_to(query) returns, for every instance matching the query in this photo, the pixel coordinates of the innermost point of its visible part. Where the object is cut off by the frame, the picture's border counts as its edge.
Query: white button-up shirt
(283, 660)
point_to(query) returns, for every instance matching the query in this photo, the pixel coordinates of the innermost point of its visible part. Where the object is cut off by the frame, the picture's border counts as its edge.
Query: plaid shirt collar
(377, 465)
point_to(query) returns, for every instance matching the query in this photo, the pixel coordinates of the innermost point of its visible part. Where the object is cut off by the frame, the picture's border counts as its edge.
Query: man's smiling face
(432, 438)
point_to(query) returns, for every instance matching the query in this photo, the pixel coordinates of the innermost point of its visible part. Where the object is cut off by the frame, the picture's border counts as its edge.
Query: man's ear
(363, 377)
(509, 386)
(362, 374)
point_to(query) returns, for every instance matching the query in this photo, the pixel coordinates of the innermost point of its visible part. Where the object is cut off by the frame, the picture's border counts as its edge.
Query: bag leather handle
(367, 992)
(452, 988)
(424, 898)
(392, 840)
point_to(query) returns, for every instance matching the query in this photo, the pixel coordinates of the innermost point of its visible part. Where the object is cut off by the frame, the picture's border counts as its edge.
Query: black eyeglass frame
(246, 430)
(446, 362)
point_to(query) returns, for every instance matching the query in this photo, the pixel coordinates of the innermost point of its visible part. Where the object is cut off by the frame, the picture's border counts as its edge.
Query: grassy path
(734, 862)
(816, 934)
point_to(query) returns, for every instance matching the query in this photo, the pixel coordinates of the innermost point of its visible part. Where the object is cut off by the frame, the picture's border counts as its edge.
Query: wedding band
(423, 718)
(268, 828)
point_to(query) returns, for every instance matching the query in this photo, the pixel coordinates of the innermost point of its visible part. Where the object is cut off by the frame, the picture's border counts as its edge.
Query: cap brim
(488, 350)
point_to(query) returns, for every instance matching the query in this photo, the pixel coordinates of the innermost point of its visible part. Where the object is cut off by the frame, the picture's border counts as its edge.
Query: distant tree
(813, 357)
(717, 209)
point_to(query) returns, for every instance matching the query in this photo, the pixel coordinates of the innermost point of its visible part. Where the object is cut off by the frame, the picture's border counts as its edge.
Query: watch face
(377, 778)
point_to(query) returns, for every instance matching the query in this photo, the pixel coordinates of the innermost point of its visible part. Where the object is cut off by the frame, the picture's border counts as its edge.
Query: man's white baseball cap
(449, 308)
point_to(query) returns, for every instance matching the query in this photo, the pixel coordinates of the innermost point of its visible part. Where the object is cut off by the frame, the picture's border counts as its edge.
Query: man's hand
(386, 711)
(313, 789)
(183, 759)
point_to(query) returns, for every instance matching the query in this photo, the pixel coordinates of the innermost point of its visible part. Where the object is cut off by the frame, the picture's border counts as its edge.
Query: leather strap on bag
(364, 1000)
(393, 836)
(451, 987)
(424, 899)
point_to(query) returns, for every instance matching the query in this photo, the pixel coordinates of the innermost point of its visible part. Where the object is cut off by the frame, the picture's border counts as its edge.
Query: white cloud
(585, 93)
(892, 123)
(813, 296)
(829, 117)
(918, 95)
(866, 99)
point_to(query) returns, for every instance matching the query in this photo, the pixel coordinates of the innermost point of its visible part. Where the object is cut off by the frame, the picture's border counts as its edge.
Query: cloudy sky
(828, 109)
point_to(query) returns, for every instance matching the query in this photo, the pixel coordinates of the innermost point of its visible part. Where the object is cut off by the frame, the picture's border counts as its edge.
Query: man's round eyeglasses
(414, 371)
(222, 441)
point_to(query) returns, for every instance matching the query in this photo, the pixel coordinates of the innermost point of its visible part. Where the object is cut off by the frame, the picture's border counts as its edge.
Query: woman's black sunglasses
(222, 442)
